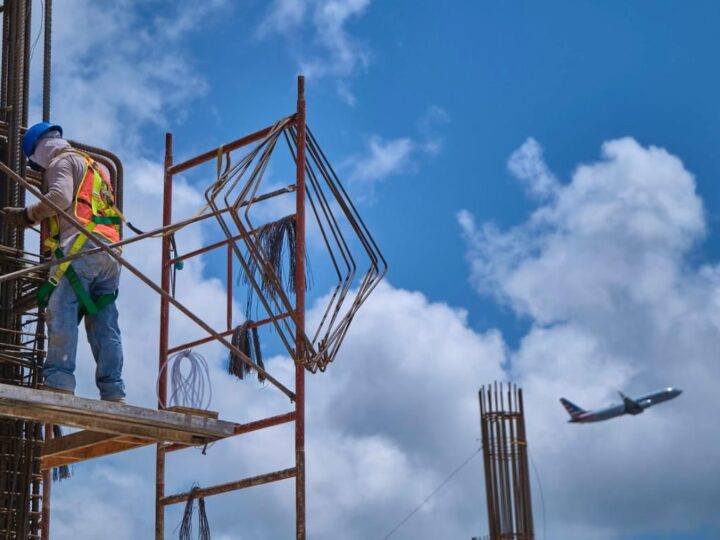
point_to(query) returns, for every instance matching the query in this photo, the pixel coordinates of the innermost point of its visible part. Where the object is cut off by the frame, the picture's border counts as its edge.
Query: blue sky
(570, 75)
(604, 279)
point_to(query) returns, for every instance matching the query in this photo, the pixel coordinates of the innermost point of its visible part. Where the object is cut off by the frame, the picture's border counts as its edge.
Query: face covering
(34, 166)
(45, 148)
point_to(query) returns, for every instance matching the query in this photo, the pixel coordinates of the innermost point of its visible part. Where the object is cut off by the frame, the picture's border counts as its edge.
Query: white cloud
(429, 128)
(386, 423)
(601, 270)
(527, 164)
(383, 158)
(332, 51)
(283, 15)
(110, 82)
(389, 157)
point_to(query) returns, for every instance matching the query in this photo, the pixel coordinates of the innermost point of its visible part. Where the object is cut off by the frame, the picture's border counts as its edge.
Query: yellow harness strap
(76, 246)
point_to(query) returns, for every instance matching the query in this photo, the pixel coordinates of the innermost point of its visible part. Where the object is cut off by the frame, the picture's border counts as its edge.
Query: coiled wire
(189, 386)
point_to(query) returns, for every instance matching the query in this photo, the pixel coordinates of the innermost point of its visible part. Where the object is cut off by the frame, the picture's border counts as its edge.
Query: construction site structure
(22, 339)
(505, 461)
(268, 254)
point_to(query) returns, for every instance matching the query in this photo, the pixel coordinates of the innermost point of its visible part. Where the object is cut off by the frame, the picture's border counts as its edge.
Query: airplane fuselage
(629, 406)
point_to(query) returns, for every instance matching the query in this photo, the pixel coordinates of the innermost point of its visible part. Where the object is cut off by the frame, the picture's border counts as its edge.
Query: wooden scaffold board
(111, 427)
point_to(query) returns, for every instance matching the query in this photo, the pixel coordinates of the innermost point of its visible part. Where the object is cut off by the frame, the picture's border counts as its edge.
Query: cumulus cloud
(107, 85)
(388, 157)
(383, 158)
(601, 270)
(527, 164)
(386, 424)
(332, 52)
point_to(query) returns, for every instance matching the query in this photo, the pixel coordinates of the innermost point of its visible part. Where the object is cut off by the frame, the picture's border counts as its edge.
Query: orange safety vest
(94, 207)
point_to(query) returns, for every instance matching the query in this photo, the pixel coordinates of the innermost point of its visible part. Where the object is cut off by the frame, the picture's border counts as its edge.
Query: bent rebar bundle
(233, 197)
(505, 458)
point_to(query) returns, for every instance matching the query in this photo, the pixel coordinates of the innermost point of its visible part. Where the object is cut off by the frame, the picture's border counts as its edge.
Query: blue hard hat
(33, 134)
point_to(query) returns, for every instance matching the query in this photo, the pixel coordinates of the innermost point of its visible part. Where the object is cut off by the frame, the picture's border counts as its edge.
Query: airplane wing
(631, 406)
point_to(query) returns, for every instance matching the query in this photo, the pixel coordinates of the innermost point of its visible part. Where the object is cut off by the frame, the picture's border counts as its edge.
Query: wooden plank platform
(111, 427)
(198, 412)
(84, 445)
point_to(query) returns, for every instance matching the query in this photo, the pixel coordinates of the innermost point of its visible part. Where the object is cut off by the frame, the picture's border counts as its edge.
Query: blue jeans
(99, 274)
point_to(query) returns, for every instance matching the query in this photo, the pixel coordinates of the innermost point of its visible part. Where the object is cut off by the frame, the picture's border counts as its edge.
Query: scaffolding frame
(312, 354)
(297, 415)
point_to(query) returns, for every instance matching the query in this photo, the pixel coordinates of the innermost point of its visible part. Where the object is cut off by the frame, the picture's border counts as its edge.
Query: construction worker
(86, 286)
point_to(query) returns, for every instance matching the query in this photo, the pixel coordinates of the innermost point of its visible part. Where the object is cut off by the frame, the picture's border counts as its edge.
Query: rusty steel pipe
(231, 486)
(160, 230)
(154, 232)
(241, 429)
(47, 50)
(203, 341)
(164, 337)
(224, 149)
(46, 492)
(300, 316)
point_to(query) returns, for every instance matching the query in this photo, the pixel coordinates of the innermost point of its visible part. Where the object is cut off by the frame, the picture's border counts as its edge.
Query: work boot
(115, 399)
(57, 390)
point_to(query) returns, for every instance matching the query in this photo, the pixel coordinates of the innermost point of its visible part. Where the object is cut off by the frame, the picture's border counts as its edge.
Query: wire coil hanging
(189, 381)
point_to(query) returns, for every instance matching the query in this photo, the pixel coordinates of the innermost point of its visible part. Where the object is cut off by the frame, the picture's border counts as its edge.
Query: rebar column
(505, 459)
(20, 346)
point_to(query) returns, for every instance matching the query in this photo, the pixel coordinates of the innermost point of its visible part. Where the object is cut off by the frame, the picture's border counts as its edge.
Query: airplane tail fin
(572, 409)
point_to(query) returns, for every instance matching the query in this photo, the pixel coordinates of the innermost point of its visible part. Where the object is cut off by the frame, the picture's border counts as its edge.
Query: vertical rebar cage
(21, 340)
(24, 490)
(505, 459)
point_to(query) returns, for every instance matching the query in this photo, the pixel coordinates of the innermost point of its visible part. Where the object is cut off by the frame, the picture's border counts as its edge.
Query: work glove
(17, 217)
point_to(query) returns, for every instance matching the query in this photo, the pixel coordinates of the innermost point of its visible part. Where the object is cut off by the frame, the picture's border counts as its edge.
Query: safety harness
(94, 206)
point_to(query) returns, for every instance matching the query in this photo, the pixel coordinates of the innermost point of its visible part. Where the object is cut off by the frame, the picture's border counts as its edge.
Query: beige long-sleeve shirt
(62, 176)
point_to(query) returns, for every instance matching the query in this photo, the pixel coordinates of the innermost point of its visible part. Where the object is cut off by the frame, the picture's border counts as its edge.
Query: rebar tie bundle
(277, 241)
(186, 524)
(245, 339)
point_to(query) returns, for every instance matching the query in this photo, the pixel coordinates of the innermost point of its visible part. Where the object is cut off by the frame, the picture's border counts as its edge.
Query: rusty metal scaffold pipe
(164, 338)
(300, 317)
(173, 227)
(224, 149)
(231, 486)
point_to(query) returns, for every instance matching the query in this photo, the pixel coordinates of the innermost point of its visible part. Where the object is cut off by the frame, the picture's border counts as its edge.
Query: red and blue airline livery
(628, 406)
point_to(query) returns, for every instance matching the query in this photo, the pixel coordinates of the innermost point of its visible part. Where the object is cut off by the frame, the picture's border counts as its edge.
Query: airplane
(628, 406)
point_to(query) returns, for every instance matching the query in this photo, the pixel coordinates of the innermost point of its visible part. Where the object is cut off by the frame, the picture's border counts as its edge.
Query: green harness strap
(102, 214)
(88, 305)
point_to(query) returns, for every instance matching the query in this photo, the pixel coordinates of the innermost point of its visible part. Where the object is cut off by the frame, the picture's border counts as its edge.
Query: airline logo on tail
(573, 410)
